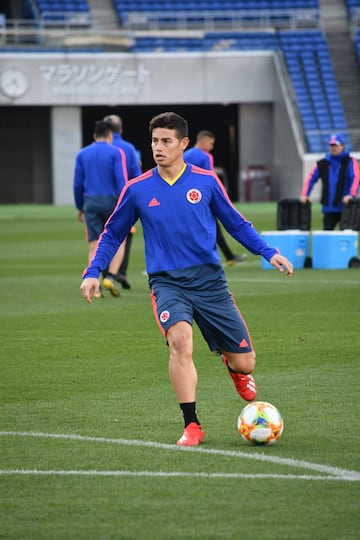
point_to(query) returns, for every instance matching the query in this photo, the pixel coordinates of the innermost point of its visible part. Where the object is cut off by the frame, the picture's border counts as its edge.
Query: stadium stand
(352, 5)
(74, 11)
(309, 65)
(45, 26)
(305, 50)
(166, 14)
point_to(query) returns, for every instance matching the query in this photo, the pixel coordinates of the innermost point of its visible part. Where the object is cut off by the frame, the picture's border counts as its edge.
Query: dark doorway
(25, 144)
(221, 119)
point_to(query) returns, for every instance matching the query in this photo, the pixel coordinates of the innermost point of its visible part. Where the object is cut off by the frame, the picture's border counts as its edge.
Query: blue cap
(336, 138)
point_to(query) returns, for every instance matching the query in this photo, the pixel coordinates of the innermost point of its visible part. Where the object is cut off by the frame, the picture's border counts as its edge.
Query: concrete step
(104, 15)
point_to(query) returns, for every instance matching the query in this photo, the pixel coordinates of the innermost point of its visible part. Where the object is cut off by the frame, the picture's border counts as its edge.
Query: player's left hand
(281, 263)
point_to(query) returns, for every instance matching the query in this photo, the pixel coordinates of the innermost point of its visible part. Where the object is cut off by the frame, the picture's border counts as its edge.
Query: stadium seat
(352, 5)
(62, 6)
(309, 65)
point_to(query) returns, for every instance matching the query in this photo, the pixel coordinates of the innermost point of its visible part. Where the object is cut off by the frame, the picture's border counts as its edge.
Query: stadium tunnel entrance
(26, 148)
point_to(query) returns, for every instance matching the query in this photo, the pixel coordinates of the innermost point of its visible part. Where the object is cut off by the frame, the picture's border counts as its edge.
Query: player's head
(205, 140)
(169, 138)
(115, 121)
(336, 144)
(170, 120)
(103, 130)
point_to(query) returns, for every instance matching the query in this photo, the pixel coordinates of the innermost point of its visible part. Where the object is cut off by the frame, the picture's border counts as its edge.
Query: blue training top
(199, 157)
(100, 169)
(132, 160)
(178, 222)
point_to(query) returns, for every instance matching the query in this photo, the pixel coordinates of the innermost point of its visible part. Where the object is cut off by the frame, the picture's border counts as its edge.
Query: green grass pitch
(88, 418)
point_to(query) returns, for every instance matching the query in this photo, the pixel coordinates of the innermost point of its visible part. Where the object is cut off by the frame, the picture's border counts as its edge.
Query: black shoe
(123, 281)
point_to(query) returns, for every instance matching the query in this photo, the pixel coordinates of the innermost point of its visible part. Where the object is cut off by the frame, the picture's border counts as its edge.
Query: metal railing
(60, 26)
(222, 19)
(70, 31)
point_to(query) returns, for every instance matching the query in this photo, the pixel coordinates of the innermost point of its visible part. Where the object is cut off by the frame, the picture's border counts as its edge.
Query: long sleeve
(78, 184)
(311, 179)
(354, 177)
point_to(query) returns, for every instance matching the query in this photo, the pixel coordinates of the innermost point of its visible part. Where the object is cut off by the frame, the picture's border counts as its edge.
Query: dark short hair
(102, 128)
(205, 133)
(170, 120)
(115, 121)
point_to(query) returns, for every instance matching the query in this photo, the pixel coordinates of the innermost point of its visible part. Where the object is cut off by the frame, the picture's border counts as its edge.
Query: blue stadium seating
(59, 10)
(310, 68)
(309, 65)
(357, 43)
(352, 5)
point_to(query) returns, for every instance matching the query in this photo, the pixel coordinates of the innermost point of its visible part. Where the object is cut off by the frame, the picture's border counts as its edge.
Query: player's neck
(172, 171)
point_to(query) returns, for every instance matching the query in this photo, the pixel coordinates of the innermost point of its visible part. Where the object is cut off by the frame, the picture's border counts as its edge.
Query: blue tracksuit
(340, 176)
(132, 160)
(100, 169)
(199, 157)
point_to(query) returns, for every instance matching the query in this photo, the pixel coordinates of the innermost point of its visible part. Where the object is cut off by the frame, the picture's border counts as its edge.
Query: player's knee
(250, 363)
(243, 363)
(179, 337)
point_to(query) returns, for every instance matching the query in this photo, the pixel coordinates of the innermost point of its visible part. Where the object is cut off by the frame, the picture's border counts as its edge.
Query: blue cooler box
(333, 249)
(293, 244)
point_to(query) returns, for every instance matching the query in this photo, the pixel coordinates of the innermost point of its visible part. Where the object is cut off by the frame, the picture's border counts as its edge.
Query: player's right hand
(90, 287)
(281, 263)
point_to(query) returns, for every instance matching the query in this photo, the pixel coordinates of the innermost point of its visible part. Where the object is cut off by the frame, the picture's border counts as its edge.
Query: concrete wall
(66, 141)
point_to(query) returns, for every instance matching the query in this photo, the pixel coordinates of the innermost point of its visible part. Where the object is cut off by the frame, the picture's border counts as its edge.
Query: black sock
(189, 413)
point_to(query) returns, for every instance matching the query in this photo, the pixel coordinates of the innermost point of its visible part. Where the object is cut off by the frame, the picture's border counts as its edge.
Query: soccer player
(133, 169)
(178, 205)
(99, 176)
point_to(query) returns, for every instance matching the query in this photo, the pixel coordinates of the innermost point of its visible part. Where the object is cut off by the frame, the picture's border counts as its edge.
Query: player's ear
(185, 142)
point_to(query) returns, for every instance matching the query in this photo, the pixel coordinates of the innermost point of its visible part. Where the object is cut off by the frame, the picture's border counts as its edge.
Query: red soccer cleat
(193, 435)
(245, 384)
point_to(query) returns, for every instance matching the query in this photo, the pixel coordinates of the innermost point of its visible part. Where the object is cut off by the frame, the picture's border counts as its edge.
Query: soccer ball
(260, 423)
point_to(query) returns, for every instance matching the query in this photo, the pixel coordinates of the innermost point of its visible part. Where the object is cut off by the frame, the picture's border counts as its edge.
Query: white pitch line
(162, 474)
(343, 474)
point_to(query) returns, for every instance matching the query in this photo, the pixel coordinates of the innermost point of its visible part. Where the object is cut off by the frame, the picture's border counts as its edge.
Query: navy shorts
(97, 209)
(200, 293)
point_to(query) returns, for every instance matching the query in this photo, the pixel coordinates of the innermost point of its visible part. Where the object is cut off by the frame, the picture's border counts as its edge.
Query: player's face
(336, 149)
(166, 147)
(208, 144)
